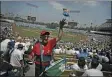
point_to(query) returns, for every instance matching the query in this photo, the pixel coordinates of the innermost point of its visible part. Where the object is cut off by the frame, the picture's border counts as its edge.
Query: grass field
(34, 32)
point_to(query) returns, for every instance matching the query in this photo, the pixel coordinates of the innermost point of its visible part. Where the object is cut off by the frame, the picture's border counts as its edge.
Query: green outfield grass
(34, 32)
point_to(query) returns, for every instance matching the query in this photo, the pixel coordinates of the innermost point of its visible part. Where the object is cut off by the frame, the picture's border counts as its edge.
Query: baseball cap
(20, 46)
(81, 59)
(44, 32)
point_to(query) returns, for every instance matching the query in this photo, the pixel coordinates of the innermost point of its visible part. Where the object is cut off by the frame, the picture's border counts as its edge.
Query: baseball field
(35, 32)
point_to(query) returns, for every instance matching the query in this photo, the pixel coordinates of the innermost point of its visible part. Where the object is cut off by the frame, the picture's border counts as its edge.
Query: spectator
(81, 65)
(11, 44)
(83, 53)
(99, 67)
(20, 41)
(93, 72)
(9, 49)
(17, 60)
(4, 49)
(103, 58)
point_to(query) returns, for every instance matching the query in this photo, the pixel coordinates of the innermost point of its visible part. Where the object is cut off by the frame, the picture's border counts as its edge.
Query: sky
(95, 12)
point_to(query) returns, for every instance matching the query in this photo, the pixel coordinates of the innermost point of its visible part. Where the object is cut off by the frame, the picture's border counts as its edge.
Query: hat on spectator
(44, 32)
(81, 59)
(20, 46)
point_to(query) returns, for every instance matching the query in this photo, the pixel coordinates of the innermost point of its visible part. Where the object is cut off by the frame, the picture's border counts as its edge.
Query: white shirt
(105, 58)
(99, 67)
(76, 67)
(16, 56)
(93, 73)
(4, 45)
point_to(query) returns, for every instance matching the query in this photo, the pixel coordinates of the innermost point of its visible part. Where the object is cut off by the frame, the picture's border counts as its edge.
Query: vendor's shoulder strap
(41, 52)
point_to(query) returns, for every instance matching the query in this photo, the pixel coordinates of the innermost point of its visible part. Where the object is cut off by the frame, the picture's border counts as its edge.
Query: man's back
(93, 72)
(16, 56)
(76, 67)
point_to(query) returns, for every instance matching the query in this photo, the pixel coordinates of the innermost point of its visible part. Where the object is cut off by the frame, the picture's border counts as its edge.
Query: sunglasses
(46, 36)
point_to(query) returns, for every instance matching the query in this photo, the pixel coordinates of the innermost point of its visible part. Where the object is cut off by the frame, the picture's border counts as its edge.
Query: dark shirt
(5, 66)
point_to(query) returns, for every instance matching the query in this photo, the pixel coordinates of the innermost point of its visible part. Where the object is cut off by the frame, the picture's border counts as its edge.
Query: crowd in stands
(87, 56)
(91, 61)
(6, 30)
(12, 53)
(94, 62)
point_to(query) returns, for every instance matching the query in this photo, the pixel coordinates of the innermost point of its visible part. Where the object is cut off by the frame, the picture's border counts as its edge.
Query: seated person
(103, 58)
(83, 53)
(80, 67)
(93, 72)
(99, 67)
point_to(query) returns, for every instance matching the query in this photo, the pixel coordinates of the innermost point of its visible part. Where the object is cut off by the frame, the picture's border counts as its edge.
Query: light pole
(32, 5)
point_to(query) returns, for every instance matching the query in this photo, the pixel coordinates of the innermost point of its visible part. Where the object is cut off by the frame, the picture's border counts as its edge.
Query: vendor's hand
(30, 62)
(62, 23)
